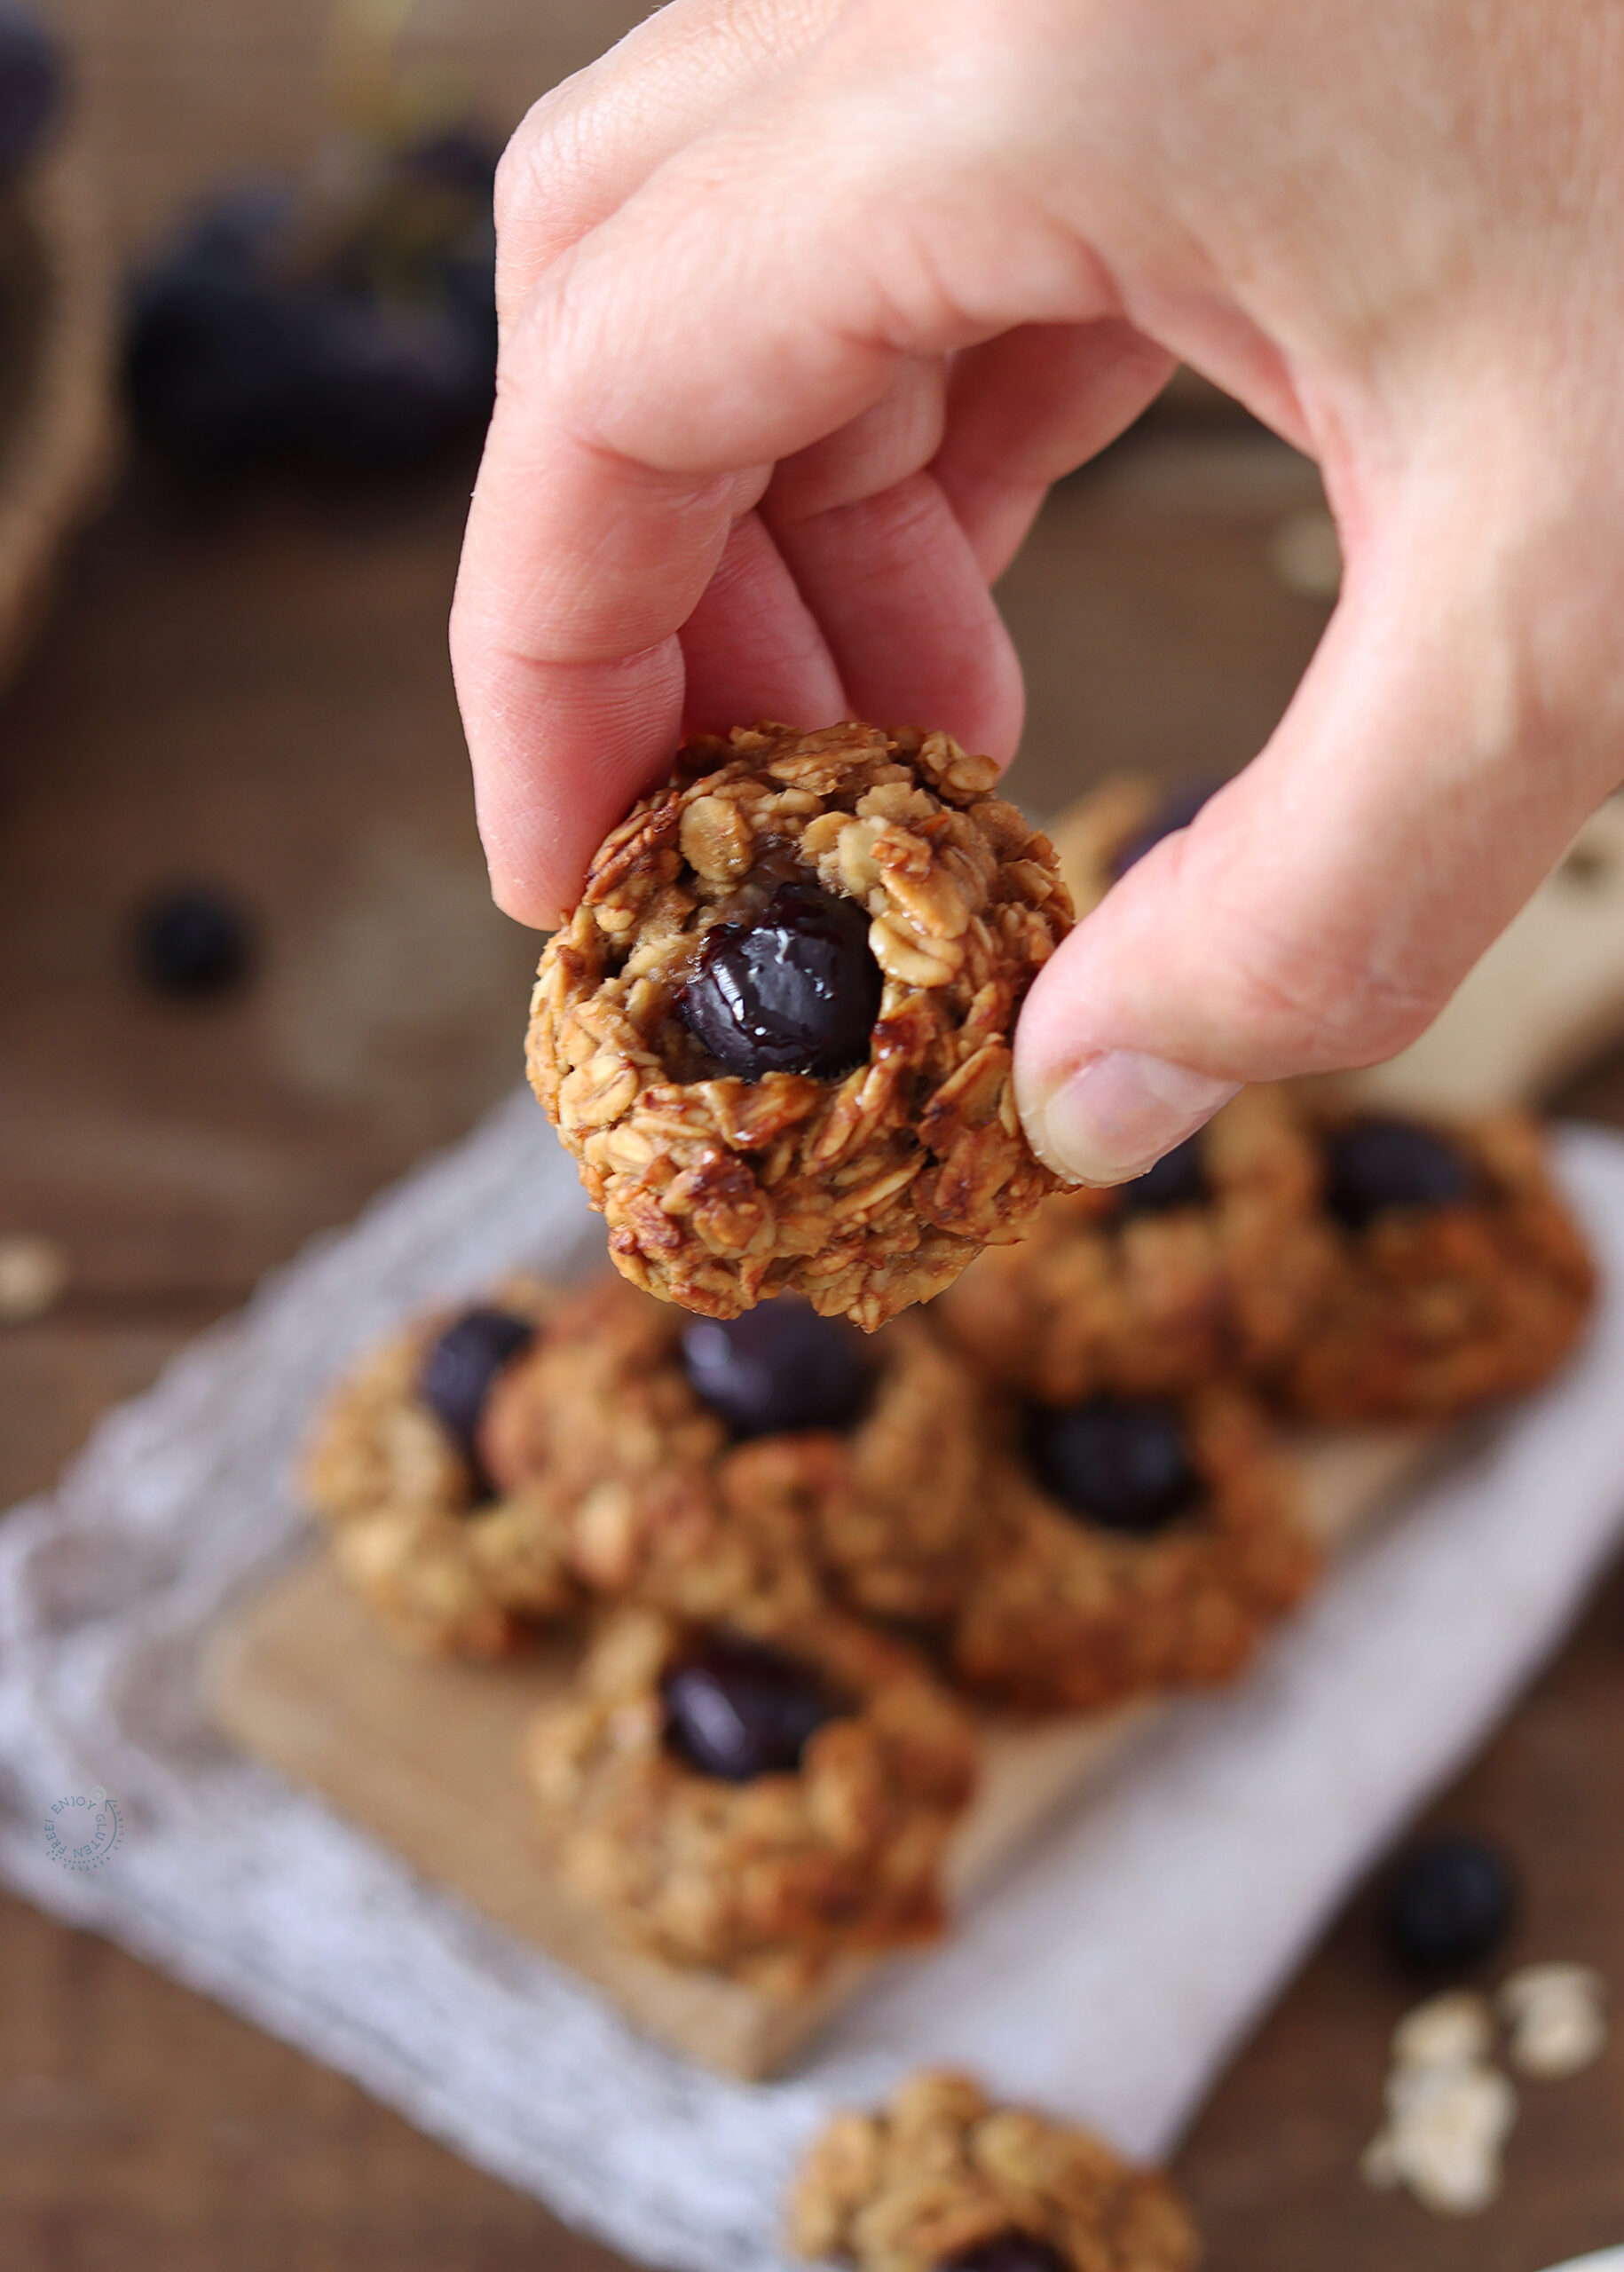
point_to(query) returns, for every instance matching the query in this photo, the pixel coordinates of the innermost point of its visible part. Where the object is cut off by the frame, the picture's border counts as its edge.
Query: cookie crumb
(33, 1275)
(1449, 2114)
(1557, 2018)
(1449, 2108)
(1456, 2030)
(1447, 2131)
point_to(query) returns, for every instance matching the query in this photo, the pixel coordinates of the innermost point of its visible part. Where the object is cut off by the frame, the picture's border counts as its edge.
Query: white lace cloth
(1109, 1975)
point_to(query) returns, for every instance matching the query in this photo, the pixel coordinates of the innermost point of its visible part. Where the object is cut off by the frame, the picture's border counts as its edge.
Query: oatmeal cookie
(1212, 1264)
(765, 1462)
(944, 2180)
(1130, 1546)
(776, 1032)
(754, 1803)
(1458, 1274)
(394, 1469)
(598, 1435)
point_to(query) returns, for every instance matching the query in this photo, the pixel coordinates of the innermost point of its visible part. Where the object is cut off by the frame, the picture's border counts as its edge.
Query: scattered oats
(1554, 2013)
(1445, 2132)
(1452, 2031)
(1448, 2111)
(33, 1275)
(1306, 555)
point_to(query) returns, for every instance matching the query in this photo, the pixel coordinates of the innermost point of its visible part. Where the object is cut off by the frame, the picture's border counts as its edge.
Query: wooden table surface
(260, 698)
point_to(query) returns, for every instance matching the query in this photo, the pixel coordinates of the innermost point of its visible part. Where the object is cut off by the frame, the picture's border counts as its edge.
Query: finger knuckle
(1319, 1004)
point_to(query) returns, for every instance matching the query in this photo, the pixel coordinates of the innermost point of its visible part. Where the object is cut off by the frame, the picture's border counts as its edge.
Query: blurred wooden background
(177, 93)
(260, 698)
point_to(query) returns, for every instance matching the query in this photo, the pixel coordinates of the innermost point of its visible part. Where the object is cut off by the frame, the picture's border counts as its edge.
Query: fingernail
(1114, 1117)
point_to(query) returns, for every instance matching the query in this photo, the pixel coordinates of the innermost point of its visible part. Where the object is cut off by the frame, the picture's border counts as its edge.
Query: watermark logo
(83, 1830)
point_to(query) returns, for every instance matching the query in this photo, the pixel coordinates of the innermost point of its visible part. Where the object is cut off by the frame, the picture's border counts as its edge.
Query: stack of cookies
(804, 1526)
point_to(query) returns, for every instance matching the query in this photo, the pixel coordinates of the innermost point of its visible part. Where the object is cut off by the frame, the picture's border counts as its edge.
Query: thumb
(1454, 729)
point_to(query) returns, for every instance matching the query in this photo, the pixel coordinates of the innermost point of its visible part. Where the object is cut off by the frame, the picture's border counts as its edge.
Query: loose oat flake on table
(1449, 2109)
(775, 1033)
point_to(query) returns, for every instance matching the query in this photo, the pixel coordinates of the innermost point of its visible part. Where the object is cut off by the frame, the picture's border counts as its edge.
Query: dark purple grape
(1178, 1179)
(458, 157)
(459, 1372)
(33, 83)
(386, 388)
(379, 360)
(1178, 808)
(1122, 1466)
(780, 1367)
(1451, 1904)
(1008, 2251)
(216, 349)
(193, 940)
(736, 1709)
(796, 991)
(1374, 1164)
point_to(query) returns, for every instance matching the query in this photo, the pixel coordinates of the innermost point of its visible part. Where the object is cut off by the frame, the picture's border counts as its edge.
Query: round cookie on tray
(1458, 1274)
(1211, 1264)
(1436, 1267)
(717, 1466)
(945, 2180)
(393, 1467)
(776, 1032)
(754, 1800)
(1130, 1546)
(488, 1472)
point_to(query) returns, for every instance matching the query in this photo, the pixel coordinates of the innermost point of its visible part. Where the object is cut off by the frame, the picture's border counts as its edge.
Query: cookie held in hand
(776, 1032)
(944, 2180)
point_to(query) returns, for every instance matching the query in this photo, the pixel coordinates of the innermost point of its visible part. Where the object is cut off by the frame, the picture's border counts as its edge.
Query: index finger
(757, 294)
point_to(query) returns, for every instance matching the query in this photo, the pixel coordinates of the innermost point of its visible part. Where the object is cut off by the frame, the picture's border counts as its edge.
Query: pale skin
(805, 304)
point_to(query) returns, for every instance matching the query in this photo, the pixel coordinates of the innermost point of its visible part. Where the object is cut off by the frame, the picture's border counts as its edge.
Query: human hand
(805, 301)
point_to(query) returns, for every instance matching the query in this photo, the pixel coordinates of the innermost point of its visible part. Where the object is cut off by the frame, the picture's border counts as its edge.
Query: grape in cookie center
(778, 1368)
(1011, 2251)
(796, 991)
(460, 1369)
(1376, 1164)
(1122, 1466)
(1178, 1179)
(736, 1709)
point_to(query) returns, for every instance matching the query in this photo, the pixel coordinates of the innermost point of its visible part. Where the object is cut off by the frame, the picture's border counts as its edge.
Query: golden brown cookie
(1458, 1275)
(765, 1497)
(944, 2178)
(1132, 1546)
(448, 1567)
(1211, 1264)
(754, 1804)
(864, 1145)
